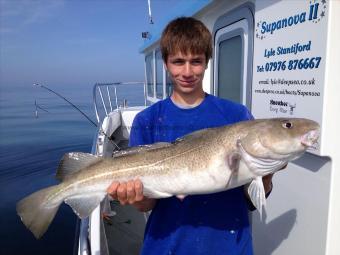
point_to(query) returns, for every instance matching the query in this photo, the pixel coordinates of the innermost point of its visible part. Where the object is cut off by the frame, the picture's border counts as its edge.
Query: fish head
(281, 138)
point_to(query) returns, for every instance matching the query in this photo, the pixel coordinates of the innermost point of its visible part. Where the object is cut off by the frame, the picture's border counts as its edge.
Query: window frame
(157, 50)
(154, 98)
(244, 12)
(239, 28)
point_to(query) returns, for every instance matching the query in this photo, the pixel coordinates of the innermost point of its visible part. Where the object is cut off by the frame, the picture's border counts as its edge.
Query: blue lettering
(316, 11)
(273, 27)
(311, 8)
(279, 24)
(263, 27)
(288, 21)
(302, 17)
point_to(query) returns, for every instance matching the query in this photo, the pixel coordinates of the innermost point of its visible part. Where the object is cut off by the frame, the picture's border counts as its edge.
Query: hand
(131, 192)
(126, 192)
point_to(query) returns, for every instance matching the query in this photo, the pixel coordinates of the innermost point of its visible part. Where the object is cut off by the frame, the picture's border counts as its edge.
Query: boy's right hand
(131, 192)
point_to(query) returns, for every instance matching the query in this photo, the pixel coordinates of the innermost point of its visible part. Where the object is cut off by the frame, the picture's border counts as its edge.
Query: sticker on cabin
(289, 58)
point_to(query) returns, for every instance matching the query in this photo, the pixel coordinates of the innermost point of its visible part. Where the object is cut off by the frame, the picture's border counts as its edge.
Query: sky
(74, 42)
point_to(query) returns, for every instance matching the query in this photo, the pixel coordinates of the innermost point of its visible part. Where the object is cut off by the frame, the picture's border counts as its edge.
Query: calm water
(30, 149)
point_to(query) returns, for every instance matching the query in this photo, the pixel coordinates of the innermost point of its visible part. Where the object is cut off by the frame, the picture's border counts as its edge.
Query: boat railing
(106, 99)
(109, 98)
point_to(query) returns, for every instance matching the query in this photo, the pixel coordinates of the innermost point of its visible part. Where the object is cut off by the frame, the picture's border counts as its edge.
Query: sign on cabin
(289, 59)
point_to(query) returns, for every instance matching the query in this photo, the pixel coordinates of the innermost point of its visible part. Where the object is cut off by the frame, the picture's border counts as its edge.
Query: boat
(280, 59)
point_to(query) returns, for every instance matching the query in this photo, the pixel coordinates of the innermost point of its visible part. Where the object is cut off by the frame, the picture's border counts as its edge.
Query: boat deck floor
(124, 231)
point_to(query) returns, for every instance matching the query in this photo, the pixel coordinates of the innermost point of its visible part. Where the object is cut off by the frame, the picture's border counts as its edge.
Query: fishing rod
(75, 107)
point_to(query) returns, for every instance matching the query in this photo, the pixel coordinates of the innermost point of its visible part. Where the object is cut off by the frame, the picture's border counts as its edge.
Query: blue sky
(74, 42)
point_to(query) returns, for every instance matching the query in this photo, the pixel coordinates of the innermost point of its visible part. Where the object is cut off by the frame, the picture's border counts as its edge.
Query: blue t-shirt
(200, 224)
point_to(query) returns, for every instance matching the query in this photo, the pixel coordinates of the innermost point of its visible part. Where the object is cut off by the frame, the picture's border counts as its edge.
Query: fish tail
(37, 212)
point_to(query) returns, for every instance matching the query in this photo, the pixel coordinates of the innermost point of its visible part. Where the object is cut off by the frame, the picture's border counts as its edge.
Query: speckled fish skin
(206, 161)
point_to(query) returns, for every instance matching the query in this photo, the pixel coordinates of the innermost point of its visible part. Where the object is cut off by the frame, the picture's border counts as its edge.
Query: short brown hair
(186, 35)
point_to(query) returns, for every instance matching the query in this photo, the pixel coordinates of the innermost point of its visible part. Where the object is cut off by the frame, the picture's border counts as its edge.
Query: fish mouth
(310, 139)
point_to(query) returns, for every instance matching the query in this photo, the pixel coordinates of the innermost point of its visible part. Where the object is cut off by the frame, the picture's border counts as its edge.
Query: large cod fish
(206, 161)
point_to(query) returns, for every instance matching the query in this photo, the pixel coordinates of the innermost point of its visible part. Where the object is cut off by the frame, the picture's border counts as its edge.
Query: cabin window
(159, 74)
(230, 69)
(149, 75)
(233, 33)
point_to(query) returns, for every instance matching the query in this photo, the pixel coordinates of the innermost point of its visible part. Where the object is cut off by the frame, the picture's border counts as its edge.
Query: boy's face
(186, 71)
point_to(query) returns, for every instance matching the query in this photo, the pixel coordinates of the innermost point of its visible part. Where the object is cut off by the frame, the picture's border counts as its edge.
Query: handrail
(85, 245)
(106, 100)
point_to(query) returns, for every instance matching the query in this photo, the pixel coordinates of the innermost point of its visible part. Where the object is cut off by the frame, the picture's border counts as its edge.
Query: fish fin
(150, 147)
(234, 161)
(84, 204)
(35, 211)
(181, 197)
(257, 194)
(73, 162)
(196, 135)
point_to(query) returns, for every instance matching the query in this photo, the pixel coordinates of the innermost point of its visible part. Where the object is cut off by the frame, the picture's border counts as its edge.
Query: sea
(36, 129)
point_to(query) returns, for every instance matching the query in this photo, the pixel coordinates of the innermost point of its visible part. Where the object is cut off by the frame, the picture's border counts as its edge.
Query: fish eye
(287, 124)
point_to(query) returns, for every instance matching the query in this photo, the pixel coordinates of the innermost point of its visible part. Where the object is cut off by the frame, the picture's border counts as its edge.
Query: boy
(200, 224)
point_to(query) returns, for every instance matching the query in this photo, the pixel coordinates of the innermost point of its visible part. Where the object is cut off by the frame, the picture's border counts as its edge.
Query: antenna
(146, 34)
(150, 15)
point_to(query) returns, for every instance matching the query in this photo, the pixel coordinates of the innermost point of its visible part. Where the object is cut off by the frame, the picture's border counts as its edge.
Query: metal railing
(107, 92)
(105, 96)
